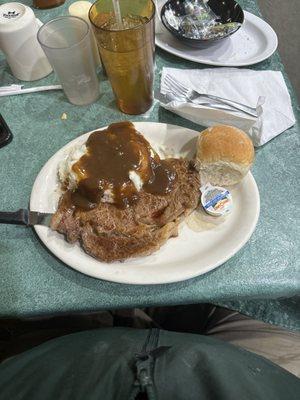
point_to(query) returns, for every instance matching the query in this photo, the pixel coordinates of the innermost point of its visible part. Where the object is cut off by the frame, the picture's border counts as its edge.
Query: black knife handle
(19, 217)
(5, 133)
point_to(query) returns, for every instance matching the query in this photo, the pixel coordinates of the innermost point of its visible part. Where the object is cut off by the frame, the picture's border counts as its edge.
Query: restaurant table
(262, 280)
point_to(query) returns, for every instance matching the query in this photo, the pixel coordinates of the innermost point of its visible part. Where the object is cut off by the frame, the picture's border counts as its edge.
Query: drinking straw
(17, 89)
(117, 12)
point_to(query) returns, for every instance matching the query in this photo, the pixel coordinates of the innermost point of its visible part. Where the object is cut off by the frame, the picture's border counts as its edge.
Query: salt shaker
(18, 41)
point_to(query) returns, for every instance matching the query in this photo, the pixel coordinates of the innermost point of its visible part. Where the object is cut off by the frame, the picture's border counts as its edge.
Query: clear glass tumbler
(127, 47)
(67, 44)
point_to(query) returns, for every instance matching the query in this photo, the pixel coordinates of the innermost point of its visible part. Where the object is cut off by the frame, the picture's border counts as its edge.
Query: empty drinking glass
(67, 44)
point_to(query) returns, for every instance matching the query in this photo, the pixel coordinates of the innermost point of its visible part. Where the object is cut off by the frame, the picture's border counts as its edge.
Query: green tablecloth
(257, 280)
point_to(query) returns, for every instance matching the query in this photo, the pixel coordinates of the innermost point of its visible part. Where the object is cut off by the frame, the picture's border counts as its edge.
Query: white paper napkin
(242, 85)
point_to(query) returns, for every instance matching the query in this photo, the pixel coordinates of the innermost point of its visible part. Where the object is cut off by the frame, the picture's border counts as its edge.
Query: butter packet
(216, 201)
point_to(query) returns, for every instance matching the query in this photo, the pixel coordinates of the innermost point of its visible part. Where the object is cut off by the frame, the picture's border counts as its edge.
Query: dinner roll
(224, 155)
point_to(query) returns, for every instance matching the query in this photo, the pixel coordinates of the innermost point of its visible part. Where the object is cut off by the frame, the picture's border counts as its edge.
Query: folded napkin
(264, 90)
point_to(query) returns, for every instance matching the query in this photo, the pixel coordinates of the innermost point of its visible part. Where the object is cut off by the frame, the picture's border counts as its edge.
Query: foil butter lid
(216, 201)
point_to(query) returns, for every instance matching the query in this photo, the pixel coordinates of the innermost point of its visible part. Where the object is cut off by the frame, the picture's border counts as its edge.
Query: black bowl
(179, 16)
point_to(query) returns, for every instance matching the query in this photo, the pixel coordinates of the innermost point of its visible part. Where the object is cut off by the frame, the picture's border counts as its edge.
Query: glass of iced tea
(124, 31)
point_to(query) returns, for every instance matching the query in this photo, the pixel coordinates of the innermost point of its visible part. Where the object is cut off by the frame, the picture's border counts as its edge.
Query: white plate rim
(268, 31)
(40, 230)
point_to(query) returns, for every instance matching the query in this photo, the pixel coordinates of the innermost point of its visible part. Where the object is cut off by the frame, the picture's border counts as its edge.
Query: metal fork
(180, 91)
(169, 96)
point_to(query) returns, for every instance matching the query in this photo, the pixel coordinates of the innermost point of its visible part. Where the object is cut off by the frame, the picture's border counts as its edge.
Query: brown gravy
(111, 154)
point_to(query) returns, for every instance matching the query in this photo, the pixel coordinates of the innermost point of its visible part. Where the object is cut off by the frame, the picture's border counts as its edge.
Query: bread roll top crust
(226, 143)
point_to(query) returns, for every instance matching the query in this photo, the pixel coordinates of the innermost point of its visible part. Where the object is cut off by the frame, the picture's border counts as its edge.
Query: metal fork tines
(169, 96)
(183, 92)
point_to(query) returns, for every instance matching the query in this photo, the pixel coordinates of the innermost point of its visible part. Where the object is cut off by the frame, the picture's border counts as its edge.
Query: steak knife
(25, 217)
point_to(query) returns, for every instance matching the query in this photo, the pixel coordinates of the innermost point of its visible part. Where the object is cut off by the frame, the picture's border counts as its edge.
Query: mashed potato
(69, 179)
(66, 175)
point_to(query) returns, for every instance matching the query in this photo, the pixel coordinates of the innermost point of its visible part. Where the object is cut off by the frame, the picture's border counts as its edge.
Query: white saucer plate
(186, 256)
(254, 42)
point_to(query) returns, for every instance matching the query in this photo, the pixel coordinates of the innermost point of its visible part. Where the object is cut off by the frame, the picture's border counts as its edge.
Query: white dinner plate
(252, 43)
(186, 256)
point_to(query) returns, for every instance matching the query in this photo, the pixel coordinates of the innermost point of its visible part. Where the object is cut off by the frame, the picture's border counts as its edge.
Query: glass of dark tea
(124, 31)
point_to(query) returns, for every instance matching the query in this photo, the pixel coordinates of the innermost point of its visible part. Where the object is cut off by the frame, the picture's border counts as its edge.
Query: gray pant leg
(276, 344)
